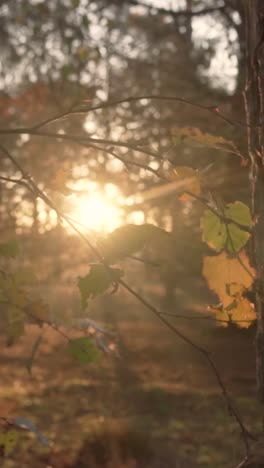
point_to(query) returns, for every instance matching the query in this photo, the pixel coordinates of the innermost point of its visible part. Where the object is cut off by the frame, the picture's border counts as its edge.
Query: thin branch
(180, 13)
(246, 435)
(79, 139)
(127, 162)
(15, 181)
(108, 104)
(207, 317)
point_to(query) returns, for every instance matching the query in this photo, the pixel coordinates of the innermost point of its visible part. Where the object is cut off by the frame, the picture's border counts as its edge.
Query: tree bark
(254, 105)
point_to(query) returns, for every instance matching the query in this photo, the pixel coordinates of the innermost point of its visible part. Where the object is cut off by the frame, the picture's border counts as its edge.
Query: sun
(97, 212)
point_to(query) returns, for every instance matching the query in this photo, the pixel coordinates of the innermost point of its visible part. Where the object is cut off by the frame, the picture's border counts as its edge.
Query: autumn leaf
(229, 279)
(194, 135)
(131, 238)
(97, 281)
(236, 237)
(214, 230)
(220, 234)
(84, 350)
(220, 270)
(244, 312)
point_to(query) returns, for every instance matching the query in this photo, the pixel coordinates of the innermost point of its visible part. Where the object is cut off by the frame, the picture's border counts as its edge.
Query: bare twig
(207, 317)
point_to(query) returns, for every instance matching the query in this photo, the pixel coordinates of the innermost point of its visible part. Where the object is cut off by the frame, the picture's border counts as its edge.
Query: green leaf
(97, 281)
(214, 231)
(131, 238)
(240, 213)
(219, 234)
(9, 249)
(75, 3)
(236, 237)
(84, 350)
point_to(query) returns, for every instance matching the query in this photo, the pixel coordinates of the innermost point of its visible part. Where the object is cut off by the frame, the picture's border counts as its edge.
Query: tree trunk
(254, 105)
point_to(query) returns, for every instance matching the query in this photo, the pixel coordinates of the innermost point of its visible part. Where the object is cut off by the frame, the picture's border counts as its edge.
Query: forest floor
(157, 405)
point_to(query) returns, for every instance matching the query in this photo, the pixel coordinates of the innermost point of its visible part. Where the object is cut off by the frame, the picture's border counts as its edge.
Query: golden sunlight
(98, 211)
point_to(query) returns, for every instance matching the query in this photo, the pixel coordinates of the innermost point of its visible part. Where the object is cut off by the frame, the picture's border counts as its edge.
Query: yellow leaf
(244, 310)
(221, 270)
(220, 314)
(235, 289)
(195, 135)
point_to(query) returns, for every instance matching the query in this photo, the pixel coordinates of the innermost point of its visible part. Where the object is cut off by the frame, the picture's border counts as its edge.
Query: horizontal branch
(205, 317)
(180, 13)
(84, 109)
(79, 139)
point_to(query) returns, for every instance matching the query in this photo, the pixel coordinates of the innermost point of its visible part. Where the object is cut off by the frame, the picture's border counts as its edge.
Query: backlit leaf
(214, 231)
(220, 270)
(131, 238)
(229, 279)
(235, 289)
(84, 350)
(236, 237)
(97, 281)
(193, 135)
(243, 312)
(240, 213)
(219, 234)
